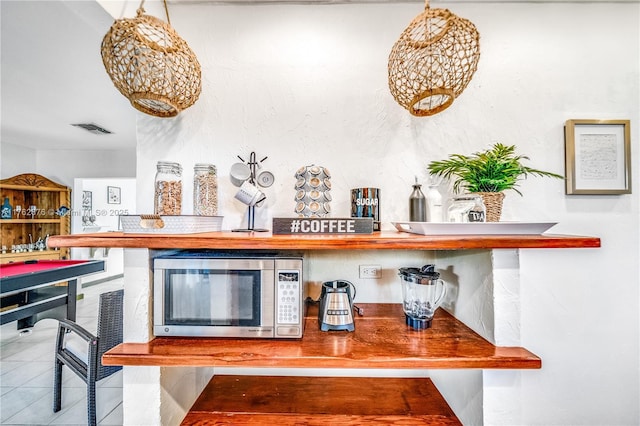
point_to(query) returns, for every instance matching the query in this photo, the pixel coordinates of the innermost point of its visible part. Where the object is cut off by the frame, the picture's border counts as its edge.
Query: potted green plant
(487, 173)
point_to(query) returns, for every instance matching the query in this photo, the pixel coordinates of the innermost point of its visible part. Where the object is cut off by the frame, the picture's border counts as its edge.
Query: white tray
(477, 228)
(152, 223)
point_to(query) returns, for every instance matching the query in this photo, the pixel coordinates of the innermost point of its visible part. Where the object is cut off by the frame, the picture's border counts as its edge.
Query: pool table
(32, 290)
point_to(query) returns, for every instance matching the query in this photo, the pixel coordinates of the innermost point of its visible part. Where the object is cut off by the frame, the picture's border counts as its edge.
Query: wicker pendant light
(433, 61)
(151, 65)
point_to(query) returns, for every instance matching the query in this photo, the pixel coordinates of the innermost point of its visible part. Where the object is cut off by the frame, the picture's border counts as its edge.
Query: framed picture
(598, 157)
(87, 203)
(113, 195)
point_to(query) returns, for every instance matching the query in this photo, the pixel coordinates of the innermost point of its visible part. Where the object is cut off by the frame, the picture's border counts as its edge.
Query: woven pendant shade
(433, 61)
(151, 65)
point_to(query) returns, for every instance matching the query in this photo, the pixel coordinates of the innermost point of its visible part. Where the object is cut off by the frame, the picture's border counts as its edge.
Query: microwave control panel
(289, 298)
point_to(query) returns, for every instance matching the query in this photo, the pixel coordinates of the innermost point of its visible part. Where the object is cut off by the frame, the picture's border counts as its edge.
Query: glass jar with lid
(466, 208)
(168, 189)
(205, 190)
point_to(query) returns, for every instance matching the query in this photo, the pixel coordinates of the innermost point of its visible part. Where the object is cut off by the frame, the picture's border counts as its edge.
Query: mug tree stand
(251, 216)
(251, 212)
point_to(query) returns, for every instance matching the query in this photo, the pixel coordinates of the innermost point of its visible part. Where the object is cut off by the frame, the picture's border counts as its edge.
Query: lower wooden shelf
(269, 400)
(380, 340)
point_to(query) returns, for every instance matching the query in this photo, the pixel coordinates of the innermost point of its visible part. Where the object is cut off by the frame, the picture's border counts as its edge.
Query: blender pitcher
(422, 293)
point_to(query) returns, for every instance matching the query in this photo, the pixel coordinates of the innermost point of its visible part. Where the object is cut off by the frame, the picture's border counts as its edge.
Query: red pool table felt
(28, 267)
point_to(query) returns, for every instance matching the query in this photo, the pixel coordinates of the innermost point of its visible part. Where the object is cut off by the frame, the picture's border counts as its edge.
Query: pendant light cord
(140, 10)
(166, 11)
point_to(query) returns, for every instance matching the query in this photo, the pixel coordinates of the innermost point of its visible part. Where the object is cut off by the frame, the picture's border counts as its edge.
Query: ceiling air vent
(93, 128)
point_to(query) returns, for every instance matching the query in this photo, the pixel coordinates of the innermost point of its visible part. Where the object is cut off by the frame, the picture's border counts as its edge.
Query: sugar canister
(168, 189)
(205, 190)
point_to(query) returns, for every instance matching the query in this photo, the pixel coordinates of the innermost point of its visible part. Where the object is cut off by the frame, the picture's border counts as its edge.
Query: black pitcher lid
(427, 271)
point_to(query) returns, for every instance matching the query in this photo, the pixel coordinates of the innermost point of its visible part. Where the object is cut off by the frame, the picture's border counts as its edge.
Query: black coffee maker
(336, 306)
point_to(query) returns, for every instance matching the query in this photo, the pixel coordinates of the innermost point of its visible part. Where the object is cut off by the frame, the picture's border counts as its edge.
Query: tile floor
(26, 373)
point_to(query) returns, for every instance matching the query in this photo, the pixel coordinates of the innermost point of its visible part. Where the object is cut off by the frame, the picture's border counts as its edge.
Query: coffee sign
(322, 225)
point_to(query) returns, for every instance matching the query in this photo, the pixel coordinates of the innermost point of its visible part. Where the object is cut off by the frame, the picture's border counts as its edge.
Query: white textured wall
(307, 84)
(16, 160)
(65, 165)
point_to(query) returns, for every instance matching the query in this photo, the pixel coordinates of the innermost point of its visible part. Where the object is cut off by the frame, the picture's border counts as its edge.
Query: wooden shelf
(385, 240)
(9, 221)
(268, 400)
(380, 340)
(27, 190)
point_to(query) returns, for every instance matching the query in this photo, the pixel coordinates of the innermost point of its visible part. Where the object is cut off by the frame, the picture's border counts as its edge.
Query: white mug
(239, 173)
(249, 194)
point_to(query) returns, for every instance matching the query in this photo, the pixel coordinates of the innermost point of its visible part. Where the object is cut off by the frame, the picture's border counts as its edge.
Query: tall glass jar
(205, 190)
(467, 208)
(168, 189)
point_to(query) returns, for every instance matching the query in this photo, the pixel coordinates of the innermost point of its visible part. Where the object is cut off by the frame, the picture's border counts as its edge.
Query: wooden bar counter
(385, 240)
(380, 340)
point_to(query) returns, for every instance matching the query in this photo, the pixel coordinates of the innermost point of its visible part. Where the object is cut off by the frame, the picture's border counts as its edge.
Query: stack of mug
(313, 196)
(242, 177)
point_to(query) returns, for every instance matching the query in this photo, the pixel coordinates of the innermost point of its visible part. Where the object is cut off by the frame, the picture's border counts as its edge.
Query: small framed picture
(598, 157)
(113, 195)
(87, 203)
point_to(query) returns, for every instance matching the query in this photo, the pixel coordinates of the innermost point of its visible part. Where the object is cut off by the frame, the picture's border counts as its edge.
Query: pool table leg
(72, 295)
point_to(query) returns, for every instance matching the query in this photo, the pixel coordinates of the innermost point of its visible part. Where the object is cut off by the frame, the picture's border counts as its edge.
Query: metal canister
(365, 202)
(417, 204)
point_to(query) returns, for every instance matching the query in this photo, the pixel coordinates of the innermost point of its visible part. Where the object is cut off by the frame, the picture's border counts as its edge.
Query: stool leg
(91, 403)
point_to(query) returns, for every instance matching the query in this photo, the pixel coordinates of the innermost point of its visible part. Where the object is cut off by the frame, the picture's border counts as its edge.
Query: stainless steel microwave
(212, 294)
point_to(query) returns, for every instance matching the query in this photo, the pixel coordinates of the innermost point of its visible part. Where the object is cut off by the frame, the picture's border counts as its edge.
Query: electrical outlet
(371, 271)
